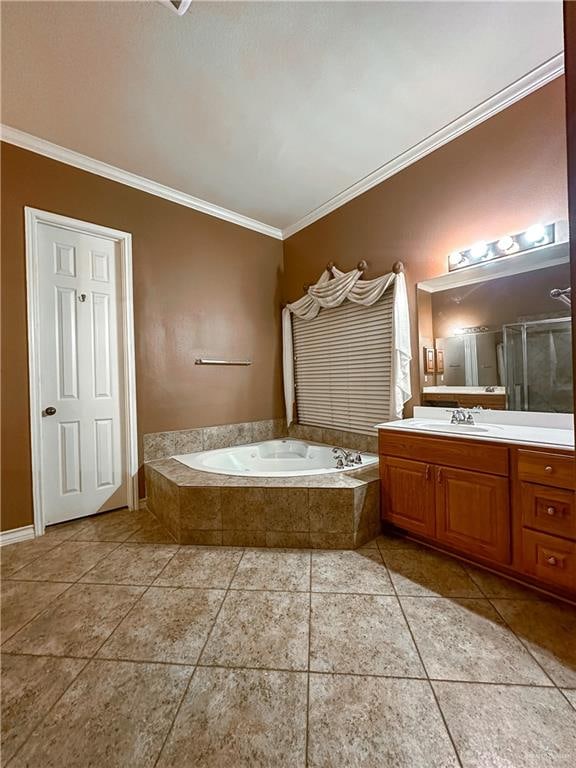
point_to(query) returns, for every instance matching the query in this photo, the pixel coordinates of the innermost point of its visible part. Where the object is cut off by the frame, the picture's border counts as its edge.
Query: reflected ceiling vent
(178, 6)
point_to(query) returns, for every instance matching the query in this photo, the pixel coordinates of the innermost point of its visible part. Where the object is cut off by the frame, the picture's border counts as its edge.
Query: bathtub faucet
(346, 458)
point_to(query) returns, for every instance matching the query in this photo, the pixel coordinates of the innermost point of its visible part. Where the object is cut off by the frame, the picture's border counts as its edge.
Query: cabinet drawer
(462, 454)
(547, 509)
(549, 558)
(547, 468)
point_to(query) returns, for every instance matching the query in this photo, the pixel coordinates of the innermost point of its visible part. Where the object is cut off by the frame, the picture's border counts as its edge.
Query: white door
(81, 384)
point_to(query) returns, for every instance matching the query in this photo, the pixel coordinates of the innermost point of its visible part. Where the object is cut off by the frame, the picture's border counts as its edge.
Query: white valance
(331, 290)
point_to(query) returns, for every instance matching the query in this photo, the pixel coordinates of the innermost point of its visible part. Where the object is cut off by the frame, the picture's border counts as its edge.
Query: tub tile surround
(242, 657)
(332, 511)
(161, 445)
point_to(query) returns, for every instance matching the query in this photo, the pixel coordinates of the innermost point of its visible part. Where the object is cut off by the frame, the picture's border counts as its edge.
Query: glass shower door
(549, 366)
(516, 376)
(539, 365)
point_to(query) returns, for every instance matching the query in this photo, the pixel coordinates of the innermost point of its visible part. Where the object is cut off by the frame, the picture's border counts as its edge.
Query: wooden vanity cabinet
(457, 496)
(512, 508)
(545, 516)
(473, 513)
(408, 494)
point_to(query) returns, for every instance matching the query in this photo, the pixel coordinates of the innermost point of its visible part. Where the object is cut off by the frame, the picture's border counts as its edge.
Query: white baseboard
(16, 534)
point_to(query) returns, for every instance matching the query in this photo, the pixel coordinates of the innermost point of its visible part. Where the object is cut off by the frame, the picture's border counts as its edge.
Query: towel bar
(203, 361)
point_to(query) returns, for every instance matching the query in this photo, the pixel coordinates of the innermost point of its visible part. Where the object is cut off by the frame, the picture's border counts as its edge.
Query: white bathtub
(272, 458)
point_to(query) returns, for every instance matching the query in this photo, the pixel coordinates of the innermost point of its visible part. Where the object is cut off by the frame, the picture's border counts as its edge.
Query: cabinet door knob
(550, 510)
(428, 471)
(548, 469)
(551, 560)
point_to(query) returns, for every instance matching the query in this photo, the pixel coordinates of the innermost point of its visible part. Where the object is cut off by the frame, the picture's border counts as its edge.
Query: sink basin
(458, 428)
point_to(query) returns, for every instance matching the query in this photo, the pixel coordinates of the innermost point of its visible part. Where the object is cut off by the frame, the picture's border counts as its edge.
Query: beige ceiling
(270, 108)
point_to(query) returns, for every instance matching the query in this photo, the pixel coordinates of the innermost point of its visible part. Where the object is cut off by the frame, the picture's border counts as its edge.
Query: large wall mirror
(499, 335)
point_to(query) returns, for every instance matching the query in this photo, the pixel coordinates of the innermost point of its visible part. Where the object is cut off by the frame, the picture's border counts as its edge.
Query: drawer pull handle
(550, 510)
(548, 469)
(552, 560)
(428, 471)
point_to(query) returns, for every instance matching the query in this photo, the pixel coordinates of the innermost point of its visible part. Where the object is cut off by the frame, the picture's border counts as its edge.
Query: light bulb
(455, 258)
(535, 234)
(507, 244)
(479, 249)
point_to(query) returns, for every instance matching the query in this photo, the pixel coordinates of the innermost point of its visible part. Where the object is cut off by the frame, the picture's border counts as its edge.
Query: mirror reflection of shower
(538, 365)
(499, 340)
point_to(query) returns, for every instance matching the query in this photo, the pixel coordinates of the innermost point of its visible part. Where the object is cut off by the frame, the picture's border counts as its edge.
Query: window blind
(343, 366)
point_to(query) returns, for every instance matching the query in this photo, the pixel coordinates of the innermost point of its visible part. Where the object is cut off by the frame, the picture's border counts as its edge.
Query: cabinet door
(473, 513)
(408, 494)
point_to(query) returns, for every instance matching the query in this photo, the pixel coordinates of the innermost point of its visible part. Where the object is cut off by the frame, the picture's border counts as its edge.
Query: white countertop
(464, 390)
(485, 430)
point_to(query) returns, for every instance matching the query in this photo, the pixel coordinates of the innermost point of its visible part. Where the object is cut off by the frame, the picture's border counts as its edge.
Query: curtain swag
(335, 287)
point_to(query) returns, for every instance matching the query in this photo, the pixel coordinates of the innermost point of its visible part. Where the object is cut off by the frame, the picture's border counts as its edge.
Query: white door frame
(34, 217)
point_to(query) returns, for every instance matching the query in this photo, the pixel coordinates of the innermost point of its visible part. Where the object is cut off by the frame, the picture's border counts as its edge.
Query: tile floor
(121, 648)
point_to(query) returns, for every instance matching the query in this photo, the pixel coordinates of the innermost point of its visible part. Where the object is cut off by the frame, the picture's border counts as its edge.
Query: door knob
(50, 411)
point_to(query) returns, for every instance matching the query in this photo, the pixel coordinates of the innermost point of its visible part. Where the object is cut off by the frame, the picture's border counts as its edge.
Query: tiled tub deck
(331, 511)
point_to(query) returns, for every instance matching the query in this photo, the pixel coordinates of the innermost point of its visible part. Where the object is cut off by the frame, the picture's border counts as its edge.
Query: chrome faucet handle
(469, 418)
(358, 458)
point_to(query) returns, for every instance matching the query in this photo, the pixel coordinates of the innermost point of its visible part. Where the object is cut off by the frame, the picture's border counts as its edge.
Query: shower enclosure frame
(522, 326)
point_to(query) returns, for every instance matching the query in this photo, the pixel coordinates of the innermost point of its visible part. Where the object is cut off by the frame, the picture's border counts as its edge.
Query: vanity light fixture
(470, 329)
(534, 237)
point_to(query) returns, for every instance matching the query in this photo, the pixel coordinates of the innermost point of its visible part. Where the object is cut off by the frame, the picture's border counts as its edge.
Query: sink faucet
(462, 416)
(346, 458)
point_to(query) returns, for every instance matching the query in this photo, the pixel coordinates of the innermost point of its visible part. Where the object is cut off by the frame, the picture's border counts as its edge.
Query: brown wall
(500, 177)
(202, 287)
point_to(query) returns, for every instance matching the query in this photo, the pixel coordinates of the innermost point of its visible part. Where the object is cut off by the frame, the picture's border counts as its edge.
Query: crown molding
(83, 162)
(522, 87)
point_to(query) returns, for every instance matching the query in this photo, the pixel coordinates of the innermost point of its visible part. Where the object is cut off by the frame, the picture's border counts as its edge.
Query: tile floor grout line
(187, 688)
(307, 733)
(36, 615)
(132, 607)
(46, 607)
(43, 717)
(563, 692)
(74, 581)
(522, 643)
(438, 596)
(30, 561)
(128, 584)
(431, 687)
(331, 673)
(87, 659)
(90, 659)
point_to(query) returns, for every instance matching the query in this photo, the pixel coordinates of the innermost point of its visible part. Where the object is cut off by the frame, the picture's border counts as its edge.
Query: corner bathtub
(272, 458)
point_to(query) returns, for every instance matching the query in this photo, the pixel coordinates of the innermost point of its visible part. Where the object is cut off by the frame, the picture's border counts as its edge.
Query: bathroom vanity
(501, 495)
